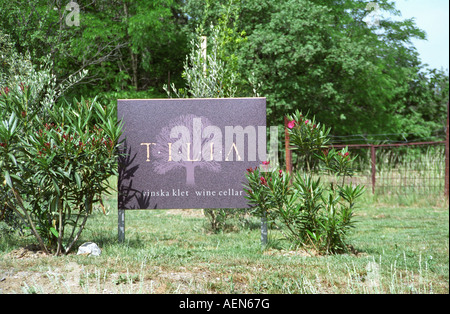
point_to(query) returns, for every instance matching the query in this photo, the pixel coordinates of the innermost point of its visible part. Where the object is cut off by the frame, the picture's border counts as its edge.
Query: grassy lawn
(399, 249)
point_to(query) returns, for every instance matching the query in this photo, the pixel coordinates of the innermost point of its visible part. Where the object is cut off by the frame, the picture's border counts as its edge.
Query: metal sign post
(121, 225)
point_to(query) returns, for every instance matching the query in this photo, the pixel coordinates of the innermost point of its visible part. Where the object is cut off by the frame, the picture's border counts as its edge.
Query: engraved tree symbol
(188, 142)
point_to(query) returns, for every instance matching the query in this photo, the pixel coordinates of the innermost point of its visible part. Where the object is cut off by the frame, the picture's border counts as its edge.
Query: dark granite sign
(189, 153)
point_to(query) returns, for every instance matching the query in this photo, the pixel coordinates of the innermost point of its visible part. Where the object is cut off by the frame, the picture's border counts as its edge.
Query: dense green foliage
(130, 48)
(321, 57)
(316, 56)
(55, 156)
(309, 212)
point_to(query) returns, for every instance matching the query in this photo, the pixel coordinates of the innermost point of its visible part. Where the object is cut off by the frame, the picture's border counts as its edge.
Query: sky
(432, 17)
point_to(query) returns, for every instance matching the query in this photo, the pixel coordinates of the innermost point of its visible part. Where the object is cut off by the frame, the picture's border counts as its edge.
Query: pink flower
(266, 163)
(263, 181)
(291, 124)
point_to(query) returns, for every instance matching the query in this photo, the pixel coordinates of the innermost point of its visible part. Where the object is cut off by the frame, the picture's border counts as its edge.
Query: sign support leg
(121, 225)
(263, 231)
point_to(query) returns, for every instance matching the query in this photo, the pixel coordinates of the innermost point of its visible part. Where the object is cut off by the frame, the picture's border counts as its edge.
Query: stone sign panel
(189, 153)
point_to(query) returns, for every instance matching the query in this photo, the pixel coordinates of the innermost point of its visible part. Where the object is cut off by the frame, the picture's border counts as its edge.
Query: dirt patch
(30, 251)
(303, 253)
(29, 273)
(65, 279)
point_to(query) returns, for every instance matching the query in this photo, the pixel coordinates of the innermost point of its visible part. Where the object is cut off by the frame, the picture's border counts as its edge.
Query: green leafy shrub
(309, 212)
(55, 156)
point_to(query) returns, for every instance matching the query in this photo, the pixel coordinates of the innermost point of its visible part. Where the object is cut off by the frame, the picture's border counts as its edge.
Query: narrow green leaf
(13, 158)
(54, 231)
(8, 178)
(56, 186)
(78, 180)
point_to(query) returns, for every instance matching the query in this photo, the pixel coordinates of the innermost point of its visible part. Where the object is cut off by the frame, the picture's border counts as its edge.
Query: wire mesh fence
(389, 169)
(395, 168)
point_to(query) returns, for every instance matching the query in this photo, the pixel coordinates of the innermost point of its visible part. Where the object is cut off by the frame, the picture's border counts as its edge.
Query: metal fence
(406, 168)
(398, 168)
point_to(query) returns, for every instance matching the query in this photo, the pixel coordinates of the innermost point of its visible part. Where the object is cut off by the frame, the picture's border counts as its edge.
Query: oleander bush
(55, 155)
(309, 212)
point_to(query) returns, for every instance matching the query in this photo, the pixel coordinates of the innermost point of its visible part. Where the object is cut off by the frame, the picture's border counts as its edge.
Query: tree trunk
(134, 66)
(134, 57)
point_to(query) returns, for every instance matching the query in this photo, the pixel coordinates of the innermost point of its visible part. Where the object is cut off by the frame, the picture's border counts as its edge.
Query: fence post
(446, 159)
(373, 160)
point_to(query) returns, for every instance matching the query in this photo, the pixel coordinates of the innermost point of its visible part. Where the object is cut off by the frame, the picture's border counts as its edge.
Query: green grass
(400, 250)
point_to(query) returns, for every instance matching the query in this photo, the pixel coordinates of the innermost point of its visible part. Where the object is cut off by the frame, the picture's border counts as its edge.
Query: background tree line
(317, 56)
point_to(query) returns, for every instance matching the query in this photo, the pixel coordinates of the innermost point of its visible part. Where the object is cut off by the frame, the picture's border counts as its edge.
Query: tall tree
(126, 46)
(320, 56)
(326, 57)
